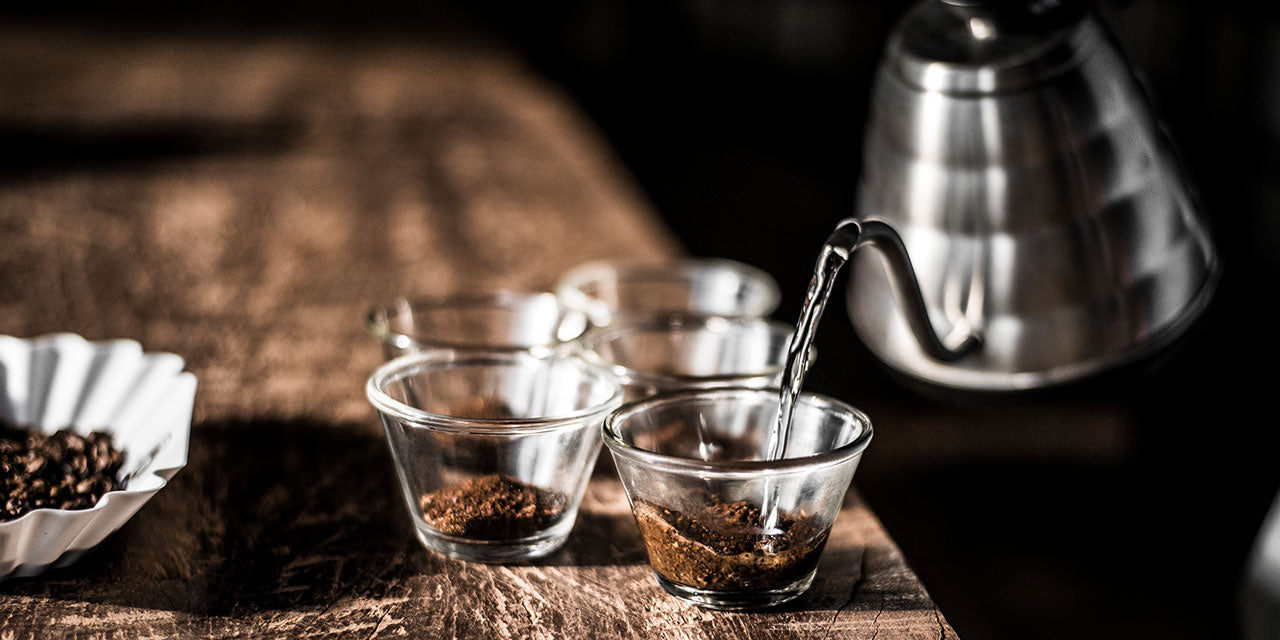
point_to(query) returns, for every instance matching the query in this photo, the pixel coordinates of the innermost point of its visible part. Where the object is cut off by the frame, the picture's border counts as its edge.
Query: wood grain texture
(243, 203)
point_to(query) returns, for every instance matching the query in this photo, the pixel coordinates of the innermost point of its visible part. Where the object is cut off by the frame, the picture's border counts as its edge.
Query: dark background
(1118, 508)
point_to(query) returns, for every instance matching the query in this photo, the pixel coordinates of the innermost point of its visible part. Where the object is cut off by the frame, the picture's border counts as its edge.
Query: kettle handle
(853, 233)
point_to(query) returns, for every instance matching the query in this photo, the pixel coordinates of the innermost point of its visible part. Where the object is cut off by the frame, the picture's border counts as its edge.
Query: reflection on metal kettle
(1012, 149)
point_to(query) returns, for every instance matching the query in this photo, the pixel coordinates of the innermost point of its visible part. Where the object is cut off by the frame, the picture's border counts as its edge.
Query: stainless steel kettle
(1012, 149)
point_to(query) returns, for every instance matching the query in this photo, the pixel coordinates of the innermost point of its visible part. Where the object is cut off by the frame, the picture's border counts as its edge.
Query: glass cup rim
(378, 320)
(448, 358)
(661, 322)
(734, 468)
(570, 286)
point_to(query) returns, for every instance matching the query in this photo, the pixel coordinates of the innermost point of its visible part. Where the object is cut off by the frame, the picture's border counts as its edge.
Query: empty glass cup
(653, 355)
(693, 468)
(506, 321)
(493, 449)
(701, 286)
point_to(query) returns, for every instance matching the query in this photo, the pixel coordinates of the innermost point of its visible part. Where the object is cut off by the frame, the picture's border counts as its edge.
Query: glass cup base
(494, 551)
(737, 600)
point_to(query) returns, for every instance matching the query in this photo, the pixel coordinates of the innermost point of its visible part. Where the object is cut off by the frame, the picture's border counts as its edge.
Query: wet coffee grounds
(61, 470)
(492, 507)
(704, 542)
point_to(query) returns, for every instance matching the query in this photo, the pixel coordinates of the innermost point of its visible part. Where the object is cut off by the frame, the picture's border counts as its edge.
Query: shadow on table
(268, 514)
(599, 539)
(281, 514)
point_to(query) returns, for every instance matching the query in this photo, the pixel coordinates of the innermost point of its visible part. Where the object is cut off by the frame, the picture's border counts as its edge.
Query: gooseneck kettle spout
(852, 234)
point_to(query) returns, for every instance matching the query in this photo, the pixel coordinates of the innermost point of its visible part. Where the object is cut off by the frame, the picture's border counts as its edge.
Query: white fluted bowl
(143, 400)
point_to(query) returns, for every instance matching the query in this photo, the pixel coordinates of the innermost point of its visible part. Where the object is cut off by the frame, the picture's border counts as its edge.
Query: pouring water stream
(849, 235)
(835, 253)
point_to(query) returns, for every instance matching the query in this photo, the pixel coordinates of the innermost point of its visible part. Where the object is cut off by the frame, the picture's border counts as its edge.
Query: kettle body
(1018, 158)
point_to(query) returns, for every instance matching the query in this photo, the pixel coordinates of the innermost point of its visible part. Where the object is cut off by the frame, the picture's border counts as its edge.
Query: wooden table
(243, 202)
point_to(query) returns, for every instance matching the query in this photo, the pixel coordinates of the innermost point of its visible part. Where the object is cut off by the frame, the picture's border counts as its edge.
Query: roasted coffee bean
(61, 470)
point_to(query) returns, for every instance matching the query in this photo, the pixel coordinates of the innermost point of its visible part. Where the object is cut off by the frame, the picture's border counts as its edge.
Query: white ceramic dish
(143, 400)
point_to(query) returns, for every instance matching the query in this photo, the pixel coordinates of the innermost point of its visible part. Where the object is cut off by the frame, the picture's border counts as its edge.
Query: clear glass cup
(493, 449)
(652, 355)
(692, 466)
(699, 286)
(505, 321)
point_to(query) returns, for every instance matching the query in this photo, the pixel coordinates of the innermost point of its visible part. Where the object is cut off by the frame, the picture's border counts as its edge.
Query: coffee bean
(35, 465)
(62, 470)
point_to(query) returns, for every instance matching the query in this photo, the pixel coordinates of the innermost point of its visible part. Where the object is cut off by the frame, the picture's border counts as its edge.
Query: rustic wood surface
(243, 203)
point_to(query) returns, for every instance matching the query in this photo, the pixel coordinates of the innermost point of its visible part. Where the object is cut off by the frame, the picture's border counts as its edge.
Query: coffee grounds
(492, 507)
(61, 470)
(707, 543)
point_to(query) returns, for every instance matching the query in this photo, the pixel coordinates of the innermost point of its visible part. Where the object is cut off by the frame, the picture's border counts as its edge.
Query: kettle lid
(980, 47)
